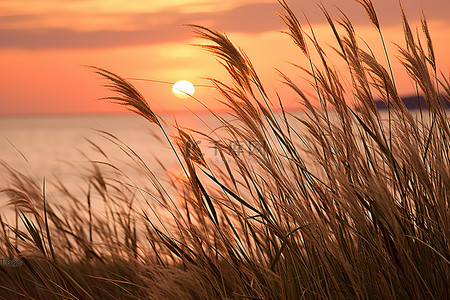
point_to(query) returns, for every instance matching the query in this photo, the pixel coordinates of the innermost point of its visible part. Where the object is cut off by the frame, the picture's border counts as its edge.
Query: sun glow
(183, 89)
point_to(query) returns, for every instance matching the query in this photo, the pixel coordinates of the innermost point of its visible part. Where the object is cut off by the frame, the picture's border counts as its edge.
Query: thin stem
(393, 82)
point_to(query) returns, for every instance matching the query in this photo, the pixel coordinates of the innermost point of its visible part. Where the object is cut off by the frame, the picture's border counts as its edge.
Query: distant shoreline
(411, 103)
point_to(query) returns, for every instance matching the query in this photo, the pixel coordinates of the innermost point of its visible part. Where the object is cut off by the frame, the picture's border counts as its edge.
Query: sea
(53, 146)
(60, 145)
(66, 148)
(56, 145)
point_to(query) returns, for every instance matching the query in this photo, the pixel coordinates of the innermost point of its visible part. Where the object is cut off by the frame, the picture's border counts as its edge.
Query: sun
(183, 89)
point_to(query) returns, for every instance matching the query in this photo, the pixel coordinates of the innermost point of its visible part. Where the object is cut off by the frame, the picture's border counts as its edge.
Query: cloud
(156, 28)
(51, 38)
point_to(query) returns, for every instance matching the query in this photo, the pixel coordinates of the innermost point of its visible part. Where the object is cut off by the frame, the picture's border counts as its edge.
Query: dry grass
(338, 204)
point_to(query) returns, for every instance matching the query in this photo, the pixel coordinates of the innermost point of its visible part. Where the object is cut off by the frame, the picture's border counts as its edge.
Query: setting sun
(183, 89)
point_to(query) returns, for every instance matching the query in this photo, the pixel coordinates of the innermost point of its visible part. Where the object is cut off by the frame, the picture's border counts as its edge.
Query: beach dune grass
(336, 204)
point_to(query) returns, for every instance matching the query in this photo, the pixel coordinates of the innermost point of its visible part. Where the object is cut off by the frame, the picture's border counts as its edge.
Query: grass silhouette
(337, 204)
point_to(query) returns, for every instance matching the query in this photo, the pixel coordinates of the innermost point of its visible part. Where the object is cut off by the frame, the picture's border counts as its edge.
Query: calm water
(46, 145)
(56, 146)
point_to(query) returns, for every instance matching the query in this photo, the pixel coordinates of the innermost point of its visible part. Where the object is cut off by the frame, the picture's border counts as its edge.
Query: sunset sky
(43, 45)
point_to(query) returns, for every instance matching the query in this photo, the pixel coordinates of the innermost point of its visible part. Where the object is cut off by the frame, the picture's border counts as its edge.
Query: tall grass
(336, 204)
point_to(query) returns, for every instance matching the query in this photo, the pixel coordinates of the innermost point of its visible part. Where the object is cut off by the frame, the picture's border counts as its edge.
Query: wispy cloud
(105, 30)
(51, 38)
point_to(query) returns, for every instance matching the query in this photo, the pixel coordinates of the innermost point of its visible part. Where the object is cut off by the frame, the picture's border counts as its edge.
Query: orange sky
(43, 45)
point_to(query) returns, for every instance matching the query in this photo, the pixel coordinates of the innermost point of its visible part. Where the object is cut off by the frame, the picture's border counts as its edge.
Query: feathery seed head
(127, 95)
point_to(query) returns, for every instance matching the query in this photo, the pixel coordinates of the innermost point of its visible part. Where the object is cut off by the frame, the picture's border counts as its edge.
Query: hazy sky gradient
(44, 43)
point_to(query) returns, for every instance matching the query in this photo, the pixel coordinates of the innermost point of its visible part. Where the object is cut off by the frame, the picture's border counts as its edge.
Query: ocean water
(63, 148)
(54, 145)
(58, 146)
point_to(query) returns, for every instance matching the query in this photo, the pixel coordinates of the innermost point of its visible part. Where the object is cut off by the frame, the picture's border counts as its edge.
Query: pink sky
(43, 45)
